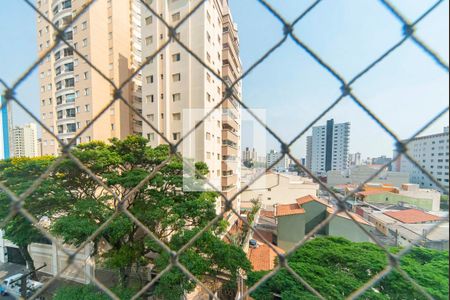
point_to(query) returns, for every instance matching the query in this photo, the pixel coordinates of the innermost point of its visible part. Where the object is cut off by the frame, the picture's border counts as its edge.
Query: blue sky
(405, 91)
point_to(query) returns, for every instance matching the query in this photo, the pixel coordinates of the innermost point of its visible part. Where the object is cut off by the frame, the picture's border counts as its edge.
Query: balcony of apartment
(231, 136)
(229, 150)
(229, 180)
(61, 9)
(229, 165)
(228, 120)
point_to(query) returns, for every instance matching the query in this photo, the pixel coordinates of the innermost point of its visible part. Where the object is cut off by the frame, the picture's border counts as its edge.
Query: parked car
(13, 286)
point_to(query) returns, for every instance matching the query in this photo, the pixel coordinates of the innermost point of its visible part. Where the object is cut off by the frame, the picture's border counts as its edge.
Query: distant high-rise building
(355, 159)
(249, 155)
(282, 165)
(25, 141)
(6, 121)
(309, 145)
(327, 148)
(432, 153)
(72, 93)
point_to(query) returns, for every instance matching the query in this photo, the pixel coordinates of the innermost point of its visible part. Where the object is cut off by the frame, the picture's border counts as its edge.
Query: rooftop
(263, 257)
(288, 210)
(412, 216)
(356, 217)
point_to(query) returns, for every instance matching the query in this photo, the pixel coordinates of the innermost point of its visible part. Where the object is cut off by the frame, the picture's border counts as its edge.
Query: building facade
(25, 141)
(178, 91)
(6, 122)
(432, 152)
(72, 93)
(328, 148)
(360, 174)
(282, 165)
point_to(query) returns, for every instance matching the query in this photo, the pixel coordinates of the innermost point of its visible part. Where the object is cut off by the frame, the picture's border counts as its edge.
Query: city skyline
(391, 97)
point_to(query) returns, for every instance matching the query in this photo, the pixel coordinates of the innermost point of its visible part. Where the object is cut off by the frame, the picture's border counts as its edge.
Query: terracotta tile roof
(288, 210)
(306, 199)
(412, 216)
(311, 198)
(263, 258)
(267, 214)
(357, 217)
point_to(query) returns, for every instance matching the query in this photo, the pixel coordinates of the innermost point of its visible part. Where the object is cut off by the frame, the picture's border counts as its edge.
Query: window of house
(176, 97)
(176, 77)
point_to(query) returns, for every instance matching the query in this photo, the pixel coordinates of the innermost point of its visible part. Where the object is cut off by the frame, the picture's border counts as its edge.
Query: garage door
(14, 256)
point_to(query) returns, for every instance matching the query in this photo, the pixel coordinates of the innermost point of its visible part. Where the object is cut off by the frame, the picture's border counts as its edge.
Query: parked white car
(12, 286)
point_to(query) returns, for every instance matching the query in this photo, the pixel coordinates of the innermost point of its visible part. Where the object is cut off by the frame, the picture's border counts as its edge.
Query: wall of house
(291, 230)
(346, 228)
(56, 260)
(315, 213)
(391, 198)
(273, 189)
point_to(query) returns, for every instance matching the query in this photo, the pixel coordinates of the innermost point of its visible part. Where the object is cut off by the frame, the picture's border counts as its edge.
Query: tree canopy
(77, 205)
(336, 267)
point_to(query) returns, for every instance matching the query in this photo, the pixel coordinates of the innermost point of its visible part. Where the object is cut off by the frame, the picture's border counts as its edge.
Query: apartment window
(69, 82)
(151, 137)
(149, 20)
(72, 127)
(149, 40)
(176, 57)
(176, 97)
(151, 117)
(86, 92)
(59, 114)
(176, 77)
(85, 75)
(68, 67)
(208, 97)
(208, 136)
(84, 25)
(150, 79)
(176, 136)
(150, 98)
(70, 113)
(177, 117)
(176, 17)
(87, 108)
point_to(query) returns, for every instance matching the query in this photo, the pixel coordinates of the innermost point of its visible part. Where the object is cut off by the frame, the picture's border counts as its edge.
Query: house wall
(291, 230)
(56, 260)
(273, 189)
(315, 213)
(391, 198)
(346, 228)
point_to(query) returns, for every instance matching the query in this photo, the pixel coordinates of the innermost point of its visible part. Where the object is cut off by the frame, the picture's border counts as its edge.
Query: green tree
(209, 259)
(46, 201)
(336, 267)
(89, 292)
(161, 205)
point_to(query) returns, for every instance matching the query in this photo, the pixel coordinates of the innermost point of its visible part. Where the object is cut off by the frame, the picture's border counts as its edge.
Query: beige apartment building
(178, 92)
(72, 93)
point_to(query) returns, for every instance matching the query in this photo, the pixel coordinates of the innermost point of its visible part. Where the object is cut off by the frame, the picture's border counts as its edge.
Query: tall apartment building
(72, 93)
(25, 141)
(328, 148)
(178, 91)
(432, 152)
(273, 156)
(249, 155)
(6, 122)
